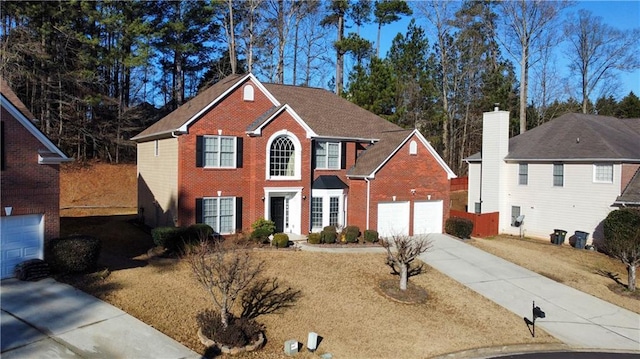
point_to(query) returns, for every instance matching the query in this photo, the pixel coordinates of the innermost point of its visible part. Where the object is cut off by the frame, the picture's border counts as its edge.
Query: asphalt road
(572, 355)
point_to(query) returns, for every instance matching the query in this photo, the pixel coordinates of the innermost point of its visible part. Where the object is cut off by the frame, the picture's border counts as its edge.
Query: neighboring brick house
(30, 184)
(568, 173)
(302, 157)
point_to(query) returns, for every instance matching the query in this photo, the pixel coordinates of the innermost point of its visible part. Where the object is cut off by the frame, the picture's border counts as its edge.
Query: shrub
(622, 222)
(240, 332)
(371, 236)
(459, 227)
(163, 236)
(329, 234)
(199, 231)
(351, 234)
(264, 224)
(261, 235)
(314, 238)
(280, 240)
(176, 238)
(78, 253)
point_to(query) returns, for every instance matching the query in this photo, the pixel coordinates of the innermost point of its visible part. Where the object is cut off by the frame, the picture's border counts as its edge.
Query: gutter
(368, 199)
(157, 135)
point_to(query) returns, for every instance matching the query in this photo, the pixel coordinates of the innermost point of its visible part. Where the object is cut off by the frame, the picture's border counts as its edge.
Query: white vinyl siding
(219, 213)
(327, 155)
(219, 151)
(158, 181)
(603, 173)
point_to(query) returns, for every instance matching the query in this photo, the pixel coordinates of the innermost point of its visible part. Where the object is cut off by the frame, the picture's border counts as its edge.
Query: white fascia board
(574, 160)
(274, 101)
(33, 129)
(443, 164)
(309, 132)
(356, 139)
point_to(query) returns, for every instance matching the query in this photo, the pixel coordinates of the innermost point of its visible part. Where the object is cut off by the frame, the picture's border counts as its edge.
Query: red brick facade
(232, 116)
(28, 187)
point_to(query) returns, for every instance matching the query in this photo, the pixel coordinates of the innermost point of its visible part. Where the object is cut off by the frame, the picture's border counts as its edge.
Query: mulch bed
(414, 294)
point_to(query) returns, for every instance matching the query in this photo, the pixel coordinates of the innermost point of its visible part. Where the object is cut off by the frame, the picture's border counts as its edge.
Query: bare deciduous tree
(402, 251)
(597, 50)
(225, 271)
(525, 24)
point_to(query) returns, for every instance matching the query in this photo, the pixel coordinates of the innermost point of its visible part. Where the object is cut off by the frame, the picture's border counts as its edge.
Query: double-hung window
(523, 174)
(603, 173)
(316, 212)
(327, 155)
(219, 151)
(558, 175)
(334, 208)
(218, 212)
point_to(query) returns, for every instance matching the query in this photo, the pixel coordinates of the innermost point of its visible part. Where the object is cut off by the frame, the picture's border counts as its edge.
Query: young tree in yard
(402, 250)
(225, 272)
(622, 240)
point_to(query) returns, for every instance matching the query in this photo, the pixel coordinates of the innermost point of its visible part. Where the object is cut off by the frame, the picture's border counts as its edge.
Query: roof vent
(496, 106)
(577, 139)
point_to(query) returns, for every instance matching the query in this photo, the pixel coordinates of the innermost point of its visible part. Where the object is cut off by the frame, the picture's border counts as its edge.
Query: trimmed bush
(314, 238)
(329, 235)
(623, 222)
(199, 231)
(74, 254)
(163, 236)
(176, 238)
(371, 236)
(240, 332)
(351, 234)
(280, 240)
(264, 224)
(261, 235)
(459, 227)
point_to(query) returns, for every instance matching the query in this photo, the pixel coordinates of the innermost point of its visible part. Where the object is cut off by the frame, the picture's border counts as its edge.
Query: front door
(277, 213)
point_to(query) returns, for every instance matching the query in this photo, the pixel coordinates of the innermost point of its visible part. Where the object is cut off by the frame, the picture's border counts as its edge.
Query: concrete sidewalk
(47, 319)
(576, 318)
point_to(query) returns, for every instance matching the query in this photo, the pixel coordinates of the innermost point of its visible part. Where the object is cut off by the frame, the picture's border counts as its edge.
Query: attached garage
(427, 217)
(393, 218)
(22, 238)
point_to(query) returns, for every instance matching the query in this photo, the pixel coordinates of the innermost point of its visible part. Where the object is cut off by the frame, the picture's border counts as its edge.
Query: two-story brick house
(302, 157)
(30, 184)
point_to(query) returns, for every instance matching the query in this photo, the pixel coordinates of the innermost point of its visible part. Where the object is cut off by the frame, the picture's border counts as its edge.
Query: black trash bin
(559, 236)
(581, 239)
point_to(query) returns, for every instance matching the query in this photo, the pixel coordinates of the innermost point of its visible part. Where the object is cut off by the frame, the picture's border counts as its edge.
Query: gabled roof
(577, 137)
(51, 154)
(376, 156)
(631, 194)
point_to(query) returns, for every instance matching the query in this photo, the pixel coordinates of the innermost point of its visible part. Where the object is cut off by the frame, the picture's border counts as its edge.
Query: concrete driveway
(48, 319)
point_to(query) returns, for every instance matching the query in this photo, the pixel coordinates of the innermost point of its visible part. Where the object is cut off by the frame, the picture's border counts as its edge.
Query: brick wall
(25, 185)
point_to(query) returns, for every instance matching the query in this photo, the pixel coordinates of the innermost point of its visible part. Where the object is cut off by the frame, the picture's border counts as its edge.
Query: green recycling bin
(581, 239)
(558, 236)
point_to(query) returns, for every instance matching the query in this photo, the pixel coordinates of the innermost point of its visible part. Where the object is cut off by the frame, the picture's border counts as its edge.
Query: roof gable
(256, 127)
(378, 154)
(10, 101)
(631, 193)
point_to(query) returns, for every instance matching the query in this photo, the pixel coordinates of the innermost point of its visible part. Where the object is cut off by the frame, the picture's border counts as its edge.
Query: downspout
(368, 199)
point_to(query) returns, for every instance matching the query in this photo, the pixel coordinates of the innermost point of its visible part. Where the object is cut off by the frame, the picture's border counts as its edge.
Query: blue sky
(618, 14)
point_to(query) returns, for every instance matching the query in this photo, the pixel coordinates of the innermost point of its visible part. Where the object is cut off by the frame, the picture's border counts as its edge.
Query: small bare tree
(402, 250)
(225, 271)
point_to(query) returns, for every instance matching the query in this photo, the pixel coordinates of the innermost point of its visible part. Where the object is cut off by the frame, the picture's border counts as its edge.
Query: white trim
(206, 108)
(309, 132)
(13, 110)
(413, 147)
(431, 150)
(235, 214)
(294, 195)
(220, 137)
(326, 156)
(326, 206)
(248, 93)
(595, 180)
(297, 153)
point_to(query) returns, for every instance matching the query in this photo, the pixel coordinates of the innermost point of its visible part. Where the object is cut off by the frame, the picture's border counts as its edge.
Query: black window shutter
(198, 210)
(239, 152)
(2, 150)
(199, 151)
(238, 214)
(343, 154)
(313, 154)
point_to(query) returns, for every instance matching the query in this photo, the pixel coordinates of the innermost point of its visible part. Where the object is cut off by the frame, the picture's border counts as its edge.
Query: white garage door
(393, 218)
(22, 238)
(427, 217)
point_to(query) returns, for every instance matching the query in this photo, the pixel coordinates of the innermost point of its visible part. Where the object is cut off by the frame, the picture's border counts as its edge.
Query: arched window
(248, 93)
(413, 148)
(282, 157)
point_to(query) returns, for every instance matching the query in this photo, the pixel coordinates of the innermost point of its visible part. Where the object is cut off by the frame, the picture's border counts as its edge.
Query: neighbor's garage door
(22, 238)
(427, 217)
(393, 218)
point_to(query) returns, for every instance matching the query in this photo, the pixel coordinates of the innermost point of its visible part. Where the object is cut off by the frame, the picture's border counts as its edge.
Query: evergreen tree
(629, 107)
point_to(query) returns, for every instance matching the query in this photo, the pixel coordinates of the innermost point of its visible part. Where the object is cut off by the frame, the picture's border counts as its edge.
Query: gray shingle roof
(577, 137)
(375, 154)
(631, 194)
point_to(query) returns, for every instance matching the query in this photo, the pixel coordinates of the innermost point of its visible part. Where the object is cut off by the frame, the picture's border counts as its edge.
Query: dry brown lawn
(339, 296)
(584, 270)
